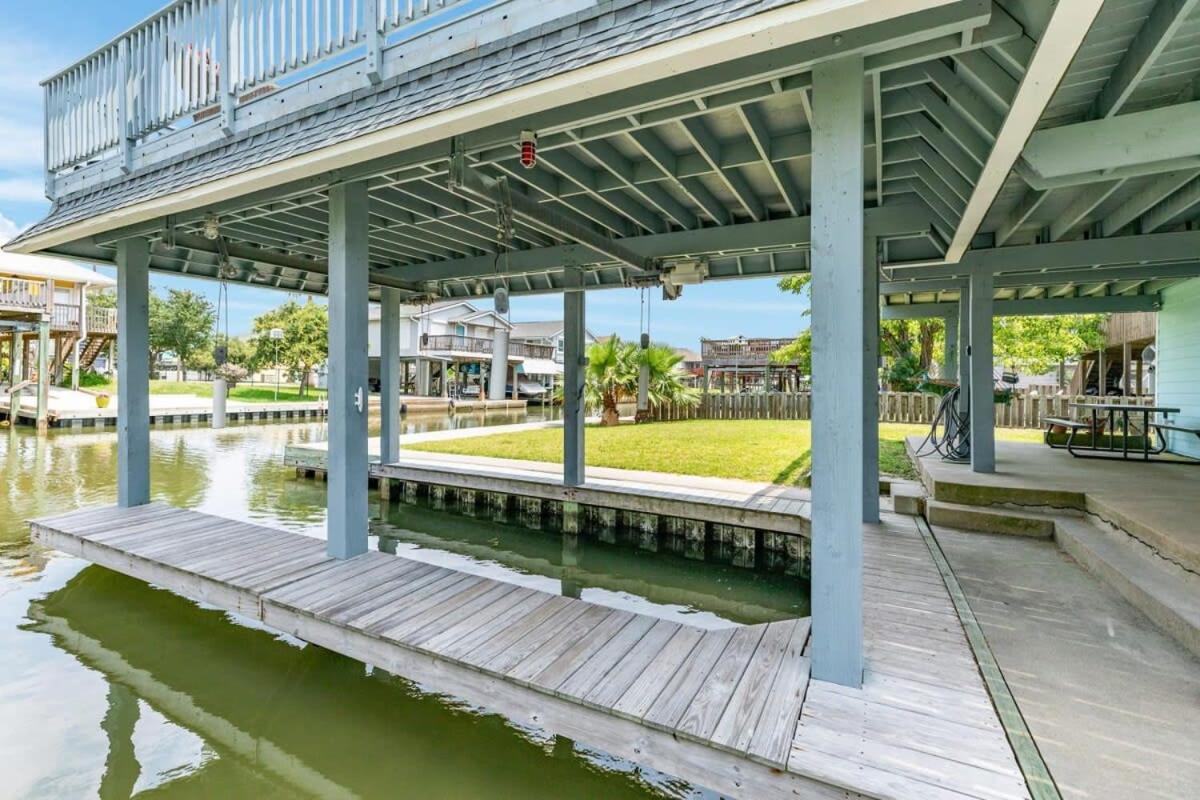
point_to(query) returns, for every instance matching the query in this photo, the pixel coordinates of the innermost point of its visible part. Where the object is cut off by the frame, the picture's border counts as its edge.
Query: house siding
(1178, 362)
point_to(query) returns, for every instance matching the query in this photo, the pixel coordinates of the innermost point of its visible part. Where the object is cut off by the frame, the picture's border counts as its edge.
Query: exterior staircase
(93, 346)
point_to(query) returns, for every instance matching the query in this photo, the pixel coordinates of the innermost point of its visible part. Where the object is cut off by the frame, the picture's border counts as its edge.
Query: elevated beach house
(47, 323)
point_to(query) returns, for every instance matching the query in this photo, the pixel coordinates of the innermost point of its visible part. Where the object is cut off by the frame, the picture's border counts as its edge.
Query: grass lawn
(767, 451)
(246, 393)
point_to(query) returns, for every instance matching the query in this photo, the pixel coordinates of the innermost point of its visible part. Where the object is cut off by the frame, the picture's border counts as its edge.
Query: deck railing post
(125, 125)
(373, 66)
(389, 375)
(574, 375)
(838, 404)
(983, 407)
(870, 379)
(227, 79)
(348, 283)
(133, 384)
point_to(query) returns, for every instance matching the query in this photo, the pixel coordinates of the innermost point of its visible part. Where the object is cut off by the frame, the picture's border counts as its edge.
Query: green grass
(766, 451)
(258, 393)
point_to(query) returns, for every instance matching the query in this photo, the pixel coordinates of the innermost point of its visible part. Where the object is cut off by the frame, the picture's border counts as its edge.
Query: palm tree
(612, 376)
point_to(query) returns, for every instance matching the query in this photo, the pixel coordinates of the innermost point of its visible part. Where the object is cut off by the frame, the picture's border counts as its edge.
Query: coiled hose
(953, 441)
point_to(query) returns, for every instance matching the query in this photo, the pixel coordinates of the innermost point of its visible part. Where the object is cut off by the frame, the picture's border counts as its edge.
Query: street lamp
(276, 335)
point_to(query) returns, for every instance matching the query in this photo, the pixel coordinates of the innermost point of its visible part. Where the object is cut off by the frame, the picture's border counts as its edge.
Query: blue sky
(42, 36)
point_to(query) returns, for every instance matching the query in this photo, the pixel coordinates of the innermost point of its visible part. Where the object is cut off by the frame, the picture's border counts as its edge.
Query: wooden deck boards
(921, 727)
(714, 688)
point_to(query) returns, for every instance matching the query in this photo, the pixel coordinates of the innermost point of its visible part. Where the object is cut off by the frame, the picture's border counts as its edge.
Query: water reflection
(282, 719)
(660, 584)
(111, 688)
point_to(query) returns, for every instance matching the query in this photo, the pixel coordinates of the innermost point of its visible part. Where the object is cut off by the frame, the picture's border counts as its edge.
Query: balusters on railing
(198, 53)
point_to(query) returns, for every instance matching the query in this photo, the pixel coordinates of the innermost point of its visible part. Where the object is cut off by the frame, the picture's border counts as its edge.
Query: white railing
(20, 293)
(195, 54)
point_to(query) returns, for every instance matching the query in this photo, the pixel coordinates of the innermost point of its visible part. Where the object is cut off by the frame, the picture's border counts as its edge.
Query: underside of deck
(733, 709)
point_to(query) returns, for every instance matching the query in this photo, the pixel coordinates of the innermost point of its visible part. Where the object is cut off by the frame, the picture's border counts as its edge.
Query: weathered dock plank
(732, 709)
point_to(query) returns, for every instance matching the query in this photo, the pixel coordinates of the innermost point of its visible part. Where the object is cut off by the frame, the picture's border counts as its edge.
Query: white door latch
(358, 399)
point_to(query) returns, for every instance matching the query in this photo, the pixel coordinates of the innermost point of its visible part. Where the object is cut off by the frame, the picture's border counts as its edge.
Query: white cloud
(20, 145)
(8, 229)
(22, 190)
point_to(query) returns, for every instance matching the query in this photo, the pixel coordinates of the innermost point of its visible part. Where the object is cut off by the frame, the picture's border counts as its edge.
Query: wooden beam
(1152, 38)
(1068, 26)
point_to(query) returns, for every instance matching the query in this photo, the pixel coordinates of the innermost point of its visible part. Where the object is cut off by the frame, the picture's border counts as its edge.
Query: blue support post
(389, 375)
(133, 380)
(870, 380)
(837, 353)
(983, 410)
(347, 487)
(574, 373)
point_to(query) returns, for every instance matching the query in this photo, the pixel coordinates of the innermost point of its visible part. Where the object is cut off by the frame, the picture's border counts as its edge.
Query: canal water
(110, 688)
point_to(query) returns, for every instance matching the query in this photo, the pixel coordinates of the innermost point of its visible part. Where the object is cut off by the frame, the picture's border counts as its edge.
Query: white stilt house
(958, 158)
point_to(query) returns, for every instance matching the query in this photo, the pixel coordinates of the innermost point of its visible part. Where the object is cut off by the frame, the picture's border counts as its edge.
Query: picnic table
(1104, 416)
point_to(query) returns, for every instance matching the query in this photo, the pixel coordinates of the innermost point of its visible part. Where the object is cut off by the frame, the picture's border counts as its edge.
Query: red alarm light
(528, 149)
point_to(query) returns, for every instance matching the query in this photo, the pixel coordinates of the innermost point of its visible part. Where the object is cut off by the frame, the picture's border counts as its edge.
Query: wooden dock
(731, 709)
(78, 419)
(742, 504)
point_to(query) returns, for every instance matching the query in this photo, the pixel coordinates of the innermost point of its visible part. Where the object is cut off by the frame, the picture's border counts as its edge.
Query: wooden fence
(1023, 411)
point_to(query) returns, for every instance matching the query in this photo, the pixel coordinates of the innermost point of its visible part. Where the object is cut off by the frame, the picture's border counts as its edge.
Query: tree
(798, 352)
(612, 376)
(1034, 345)
(305, 342)
(1029, 344)
(182, 324)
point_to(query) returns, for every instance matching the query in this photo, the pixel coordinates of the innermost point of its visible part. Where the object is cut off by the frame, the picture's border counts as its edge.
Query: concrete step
(990, 519)
(908, 497)
(1161, 589)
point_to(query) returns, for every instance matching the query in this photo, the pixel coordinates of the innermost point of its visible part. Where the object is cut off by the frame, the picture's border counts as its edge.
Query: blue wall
(1178, 367)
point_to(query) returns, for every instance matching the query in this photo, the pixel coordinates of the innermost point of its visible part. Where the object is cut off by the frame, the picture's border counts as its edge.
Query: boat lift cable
(950, 434)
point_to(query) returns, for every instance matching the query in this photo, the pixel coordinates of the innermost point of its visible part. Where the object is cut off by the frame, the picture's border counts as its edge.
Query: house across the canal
(48, 326)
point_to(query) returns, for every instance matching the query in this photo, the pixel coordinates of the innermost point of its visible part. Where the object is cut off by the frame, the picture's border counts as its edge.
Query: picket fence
(1022, 411)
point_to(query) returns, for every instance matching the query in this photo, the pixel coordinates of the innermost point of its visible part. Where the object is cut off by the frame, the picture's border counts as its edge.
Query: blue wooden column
(574, 374)
(389, 374)
(498, 374)
(44, 376)
(838, 323)
(133, 377)
(964, 350)
(983, 410)
(870, 380)
(347, 487)
(950, 353)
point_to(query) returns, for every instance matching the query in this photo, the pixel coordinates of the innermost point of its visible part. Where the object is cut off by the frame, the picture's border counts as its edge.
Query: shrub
(232, 373)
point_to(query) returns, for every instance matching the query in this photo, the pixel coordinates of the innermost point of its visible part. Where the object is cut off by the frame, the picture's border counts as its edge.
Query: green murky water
(110, 688)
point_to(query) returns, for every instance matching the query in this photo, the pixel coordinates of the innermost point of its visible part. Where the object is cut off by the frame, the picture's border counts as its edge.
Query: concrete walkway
(1113, 703)
(1156, 503)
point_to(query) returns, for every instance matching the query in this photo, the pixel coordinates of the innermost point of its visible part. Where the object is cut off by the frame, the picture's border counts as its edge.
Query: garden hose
(953, 442)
